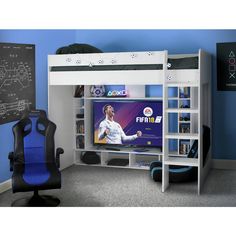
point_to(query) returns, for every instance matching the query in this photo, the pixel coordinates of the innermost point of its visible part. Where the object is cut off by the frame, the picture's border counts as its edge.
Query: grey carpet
(89, 186)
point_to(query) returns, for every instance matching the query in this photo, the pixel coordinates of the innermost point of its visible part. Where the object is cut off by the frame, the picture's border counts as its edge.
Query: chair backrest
(34, 138)
(34, 141)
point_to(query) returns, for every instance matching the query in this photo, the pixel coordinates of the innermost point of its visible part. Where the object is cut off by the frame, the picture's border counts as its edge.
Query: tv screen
(132, 123)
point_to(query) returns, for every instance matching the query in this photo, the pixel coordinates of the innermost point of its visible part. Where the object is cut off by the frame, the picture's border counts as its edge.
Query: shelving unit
(135, 159)
(144, 69)
(137, 92)
(191, 106)
(79, 128)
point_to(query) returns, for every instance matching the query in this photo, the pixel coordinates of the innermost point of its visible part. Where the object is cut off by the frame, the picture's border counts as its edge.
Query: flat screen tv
(135, 123)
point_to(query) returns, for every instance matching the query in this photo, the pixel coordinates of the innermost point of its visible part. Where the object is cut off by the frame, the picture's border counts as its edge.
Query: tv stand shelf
(189, 107)
(136, 160)
(151, 151)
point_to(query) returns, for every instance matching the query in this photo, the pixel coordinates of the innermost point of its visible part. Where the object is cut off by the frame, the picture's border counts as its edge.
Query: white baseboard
(224, 164)
(4, 186)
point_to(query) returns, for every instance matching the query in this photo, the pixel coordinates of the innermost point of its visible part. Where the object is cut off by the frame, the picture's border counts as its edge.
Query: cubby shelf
(181, 136)
(150, 151)
(181, 110)
(137, 160)
(181, 161)
(176, 154)
(182, 84)
(83, 164)
(140, 167)
(124, 98)
(177, 98)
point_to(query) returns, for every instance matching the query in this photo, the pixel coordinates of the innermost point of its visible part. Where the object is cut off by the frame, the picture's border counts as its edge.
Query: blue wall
(46, 41)
(175, 41)
(180, 41)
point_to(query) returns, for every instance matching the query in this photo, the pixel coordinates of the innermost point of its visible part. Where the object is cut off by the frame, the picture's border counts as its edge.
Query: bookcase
(184, 85)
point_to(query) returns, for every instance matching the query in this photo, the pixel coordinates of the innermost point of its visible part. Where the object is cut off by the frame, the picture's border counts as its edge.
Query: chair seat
(36, 173)
(177, 174)
(27, 177)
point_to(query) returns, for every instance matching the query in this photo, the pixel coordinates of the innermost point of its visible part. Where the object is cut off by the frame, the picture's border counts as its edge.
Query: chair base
(37, 201)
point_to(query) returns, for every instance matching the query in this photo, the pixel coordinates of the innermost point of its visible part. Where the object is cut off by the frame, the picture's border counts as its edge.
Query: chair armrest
(59, 151)
(11, 158)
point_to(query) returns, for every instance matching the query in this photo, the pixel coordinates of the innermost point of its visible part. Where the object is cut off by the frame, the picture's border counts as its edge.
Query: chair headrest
(40, 122)
(35, 113)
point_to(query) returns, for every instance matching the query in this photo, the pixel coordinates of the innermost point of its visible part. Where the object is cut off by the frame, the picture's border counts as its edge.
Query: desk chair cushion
(177, 174)
(35, 171)
(19, 183)
(36, 174)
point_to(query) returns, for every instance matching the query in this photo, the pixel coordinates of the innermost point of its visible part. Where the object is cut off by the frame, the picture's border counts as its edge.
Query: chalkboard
(226, 66)
(17, 80)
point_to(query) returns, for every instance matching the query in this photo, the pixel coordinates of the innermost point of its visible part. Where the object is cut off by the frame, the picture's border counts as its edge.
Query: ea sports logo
(147, 111)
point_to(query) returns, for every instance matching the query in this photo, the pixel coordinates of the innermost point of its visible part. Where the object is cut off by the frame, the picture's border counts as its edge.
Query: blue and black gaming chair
(178, 174)
(33, 162)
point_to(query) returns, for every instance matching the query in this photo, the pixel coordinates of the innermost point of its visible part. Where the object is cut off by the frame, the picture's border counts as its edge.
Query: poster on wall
(17, 80)
(226, 66)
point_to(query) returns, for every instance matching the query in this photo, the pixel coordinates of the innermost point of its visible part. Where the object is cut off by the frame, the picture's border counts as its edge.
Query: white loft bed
(135, 70)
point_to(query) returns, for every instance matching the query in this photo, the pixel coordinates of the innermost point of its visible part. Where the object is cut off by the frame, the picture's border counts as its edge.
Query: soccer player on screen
(111, 130)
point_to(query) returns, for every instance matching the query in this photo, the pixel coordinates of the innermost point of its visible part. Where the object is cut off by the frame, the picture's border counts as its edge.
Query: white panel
(165, 177)
(132, 160)
(205, 66)
(88, 119)
(181, 110)
(120, 58)
(206, 112)
(183, 76)
(136, 91)
(178, 56)
(165, 168)
(194, 97)
(150, 152)
(60, 111)
(104, 158)
(77, 159)
(181, 161)
(181, 136)
(106, 77)
(87, 91)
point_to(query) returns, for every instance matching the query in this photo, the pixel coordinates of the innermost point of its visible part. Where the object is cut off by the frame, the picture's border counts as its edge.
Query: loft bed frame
(135, 70)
